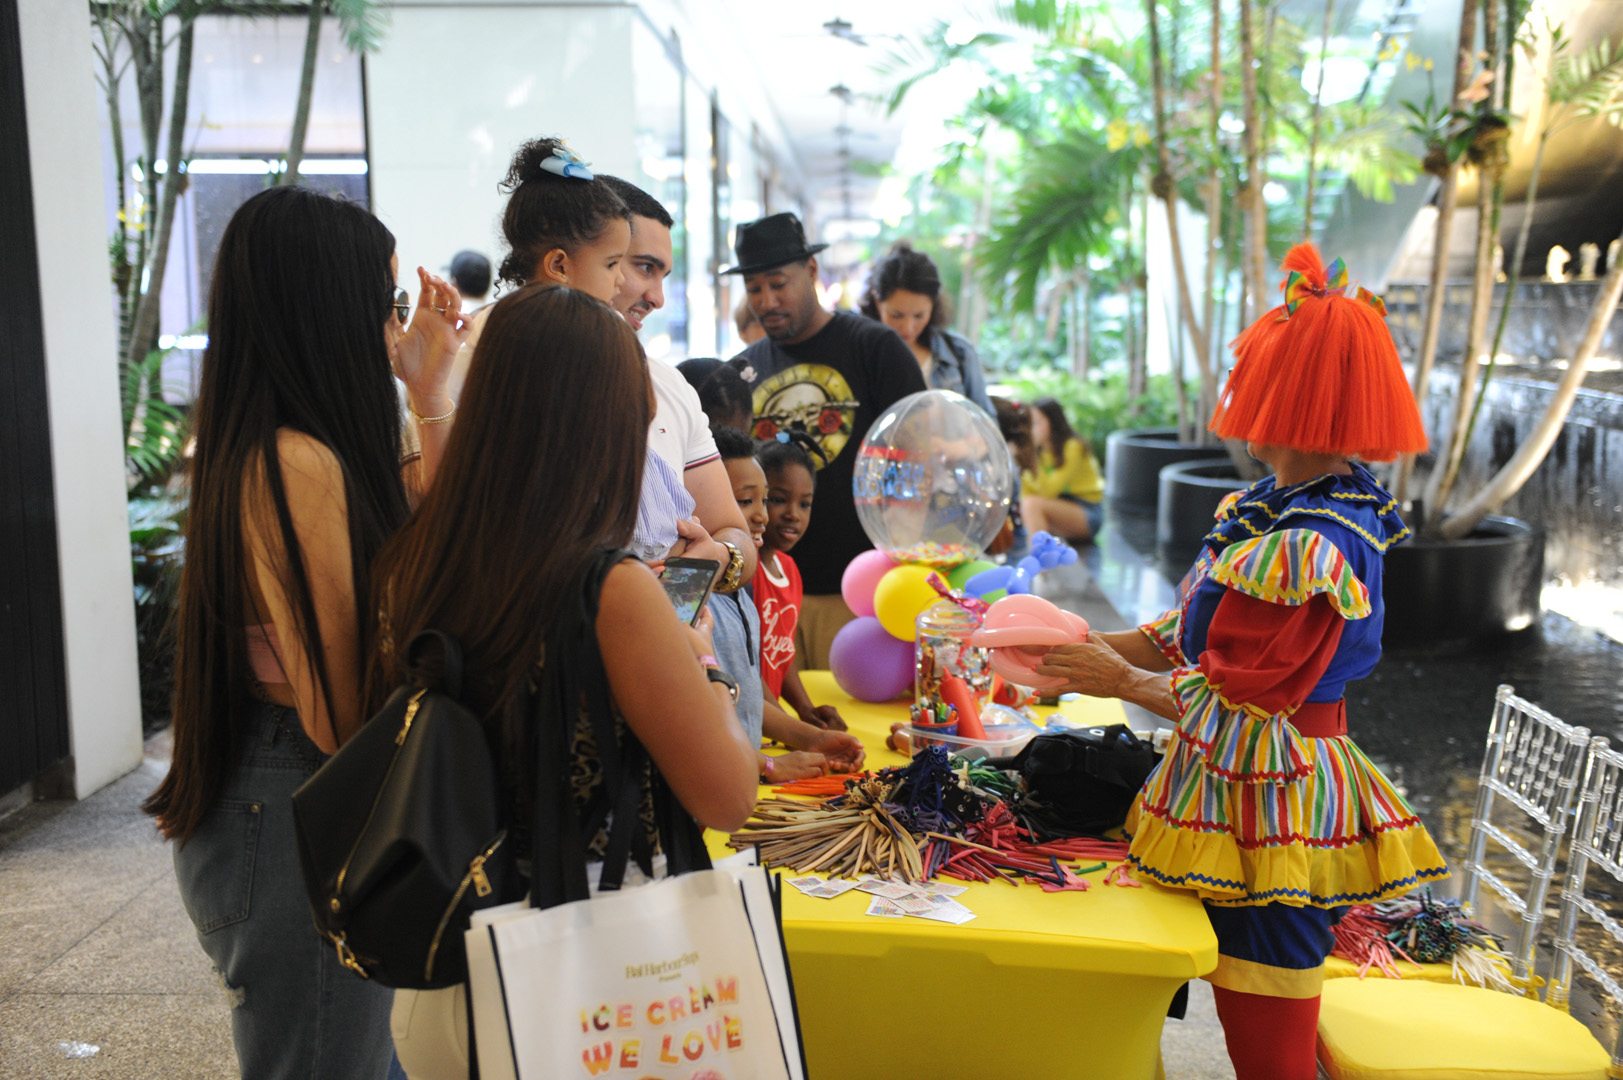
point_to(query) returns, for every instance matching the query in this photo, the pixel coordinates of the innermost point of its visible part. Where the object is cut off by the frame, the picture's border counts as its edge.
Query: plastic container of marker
(941, 648)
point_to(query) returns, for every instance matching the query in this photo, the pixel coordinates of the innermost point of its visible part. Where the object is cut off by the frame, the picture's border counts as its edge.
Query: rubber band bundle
(935, 817)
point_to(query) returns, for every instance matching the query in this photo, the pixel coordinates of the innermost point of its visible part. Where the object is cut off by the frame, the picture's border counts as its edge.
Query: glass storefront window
(707, 327)
(657, 87)
(244, 85)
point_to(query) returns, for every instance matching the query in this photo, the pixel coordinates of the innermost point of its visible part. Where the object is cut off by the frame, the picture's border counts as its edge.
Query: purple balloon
(870, 664)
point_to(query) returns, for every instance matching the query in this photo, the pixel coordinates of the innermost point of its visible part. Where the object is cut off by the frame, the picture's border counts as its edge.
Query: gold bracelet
(421, 419)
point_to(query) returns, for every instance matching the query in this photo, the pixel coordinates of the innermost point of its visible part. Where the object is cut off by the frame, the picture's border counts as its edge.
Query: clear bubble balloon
(933, 480)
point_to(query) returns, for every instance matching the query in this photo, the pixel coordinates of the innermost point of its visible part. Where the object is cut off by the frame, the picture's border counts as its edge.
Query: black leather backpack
(402, 832)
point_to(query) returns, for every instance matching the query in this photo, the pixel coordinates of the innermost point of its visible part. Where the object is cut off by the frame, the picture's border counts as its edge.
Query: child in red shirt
(791, 480)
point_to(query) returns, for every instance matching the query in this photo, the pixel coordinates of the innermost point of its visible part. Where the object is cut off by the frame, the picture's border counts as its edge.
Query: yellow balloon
(902, 593)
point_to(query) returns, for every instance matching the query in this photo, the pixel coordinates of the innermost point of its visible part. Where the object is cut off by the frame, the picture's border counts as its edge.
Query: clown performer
(1263, 807)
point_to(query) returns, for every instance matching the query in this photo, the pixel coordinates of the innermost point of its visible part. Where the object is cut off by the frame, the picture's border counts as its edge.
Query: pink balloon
(870, 664)
(1019, 631)
(861, 578)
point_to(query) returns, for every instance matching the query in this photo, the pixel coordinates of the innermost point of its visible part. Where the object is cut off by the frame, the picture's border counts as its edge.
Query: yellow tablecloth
(1039, 985)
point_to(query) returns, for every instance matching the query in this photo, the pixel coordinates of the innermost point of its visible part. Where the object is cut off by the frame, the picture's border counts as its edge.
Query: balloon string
(971, 604)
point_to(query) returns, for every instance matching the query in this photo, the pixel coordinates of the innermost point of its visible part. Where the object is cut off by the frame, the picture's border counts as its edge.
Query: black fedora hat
(772, 241)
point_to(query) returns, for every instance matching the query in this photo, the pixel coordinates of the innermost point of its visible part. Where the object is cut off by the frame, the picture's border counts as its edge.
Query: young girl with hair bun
(1263, 806)
(562, 225)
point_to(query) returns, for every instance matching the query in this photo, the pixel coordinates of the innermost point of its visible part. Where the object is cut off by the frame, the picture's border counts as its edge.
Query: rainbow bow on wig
(1298, 288)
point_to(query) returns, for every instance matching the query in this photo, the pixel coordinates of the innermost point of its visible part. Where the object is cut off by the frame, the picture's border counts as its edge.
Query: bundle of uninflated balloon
(932, 484)
(1421, 929)
(935, 817)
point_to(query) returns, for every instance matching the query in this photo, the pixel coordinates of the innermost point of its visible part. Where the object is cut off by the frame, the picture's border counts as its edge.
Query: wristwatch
(734, 577)
(716, 675)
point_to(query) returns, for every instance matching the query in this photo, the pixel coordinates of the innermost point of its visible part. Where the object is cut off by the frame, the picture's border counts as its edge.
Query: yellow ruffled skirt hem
(1329, 832)
(1218, 868)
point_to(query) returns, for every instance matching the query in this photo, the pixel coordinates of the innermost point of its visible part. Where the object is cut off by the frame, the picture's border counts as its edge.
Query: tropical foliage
(1041, 207)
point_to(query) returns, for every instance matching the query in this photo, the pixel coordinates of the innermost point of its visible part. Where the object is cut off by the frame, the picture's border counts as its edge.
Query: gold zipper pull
(476, 870)
(411, 714)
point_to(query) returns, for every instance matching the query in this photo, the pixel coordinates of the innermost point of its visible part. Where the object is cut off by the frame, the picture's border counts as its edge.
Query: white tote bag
(683, 978)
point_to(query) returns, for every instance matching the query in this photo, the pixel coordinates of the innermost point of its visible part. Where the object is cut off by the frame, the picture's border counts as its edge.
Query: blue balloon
(1049, 550)
(988, 581)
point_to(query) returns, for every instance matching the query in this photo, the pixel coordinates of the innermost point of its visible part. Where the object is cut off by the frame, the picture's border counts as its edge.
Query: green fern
(1062, 212)
(155, 432)
(914, 60)
(1367, 146)
(1591, 82)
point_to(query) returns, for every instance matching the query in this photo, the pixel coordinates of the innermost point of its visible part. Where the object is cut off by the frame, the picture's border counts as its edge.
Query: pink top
(263, 656)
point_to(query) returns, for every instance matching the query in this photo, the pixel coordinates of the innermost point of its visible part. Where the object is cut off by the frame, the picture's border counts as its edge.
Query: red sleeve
(1269, 655)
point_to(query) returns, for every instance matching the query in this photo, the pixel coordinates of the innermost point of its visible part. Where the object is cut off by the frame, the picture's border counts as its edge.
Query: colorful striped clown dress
(1262, 805)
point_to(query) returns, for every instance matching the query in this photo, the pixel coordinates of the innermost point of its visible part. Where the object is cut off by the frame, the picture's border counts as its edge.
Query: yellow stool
(1337, 968)
(1402, 1029)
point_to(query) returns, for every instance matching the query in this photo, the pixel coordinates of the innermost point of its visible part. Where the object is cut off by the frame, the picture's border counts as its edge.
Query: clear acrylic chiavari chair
(1534, 762)
(1597, 848)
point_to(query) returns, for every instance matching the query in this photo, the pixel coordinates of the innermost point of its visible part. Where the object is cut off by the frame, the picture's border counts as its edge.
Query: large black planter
(1450, 591)
(1134, 460)
(1185, 513)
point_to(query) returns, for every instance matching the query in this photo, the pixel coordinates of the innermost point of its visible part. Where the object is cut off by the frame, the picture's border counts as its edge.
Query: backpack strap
(557, 853)
(572, 676)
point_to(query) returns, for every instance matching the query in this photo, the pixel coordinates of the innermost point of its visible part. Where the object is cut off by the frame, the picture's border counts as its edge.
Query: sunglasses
(401, 305)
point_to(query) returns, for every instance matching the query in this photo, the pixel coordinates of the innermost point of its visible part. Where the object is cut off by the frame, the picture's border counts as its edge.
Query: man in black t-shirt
(826, 374)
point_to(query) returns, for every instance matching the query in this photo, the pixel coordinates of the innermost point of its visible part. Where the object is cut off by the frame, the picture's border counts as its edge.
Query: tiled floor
(101, 975)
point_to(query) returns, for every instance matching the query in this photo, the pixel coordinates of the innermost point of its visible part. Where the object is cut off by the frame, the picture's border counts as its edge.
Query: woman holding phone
(467, 564)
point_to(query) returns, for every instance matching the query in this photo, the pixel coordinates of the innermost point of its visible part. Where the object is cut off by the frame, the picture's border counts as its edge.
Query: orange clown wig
(1320, 373)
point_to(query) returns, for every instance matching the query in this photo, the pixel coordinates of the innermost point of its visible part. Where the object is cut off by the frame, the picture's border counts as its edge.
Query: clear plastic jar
(942, 648)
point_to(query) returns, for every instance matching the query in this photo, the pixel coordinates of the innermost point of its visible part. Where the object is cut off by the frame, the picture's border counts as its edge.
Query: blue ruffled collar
(1357, 502)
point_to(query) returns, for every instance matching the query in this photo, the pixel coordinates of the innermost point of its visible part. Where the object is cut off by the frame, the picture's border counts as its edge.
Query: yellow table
(1039, 985)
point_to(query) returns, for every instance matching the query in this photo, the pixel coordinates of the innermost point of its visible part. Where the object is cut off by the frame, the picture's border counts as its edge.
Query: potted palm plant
(1471, 572)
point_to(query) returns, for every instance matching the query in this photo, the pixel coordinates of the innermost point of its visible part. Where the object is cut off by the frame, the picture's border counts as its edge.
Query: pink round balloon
(870, 664)
(861, 578)
(1019, 630)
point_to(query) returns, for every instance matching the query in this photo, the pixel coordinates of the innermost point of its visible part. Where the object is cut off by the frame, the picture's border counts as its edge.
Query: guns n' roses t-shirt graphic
(809, 398)
(831, 387)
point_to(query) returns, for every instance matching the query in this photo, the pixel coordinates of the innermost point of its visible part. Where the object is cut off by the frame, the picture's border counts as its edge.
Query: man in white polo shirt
(680, 434)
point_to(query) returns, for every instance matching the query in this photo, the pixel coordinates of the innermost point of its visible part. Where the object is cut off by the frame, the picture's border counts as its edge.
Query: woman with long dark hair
(499, 556)
(296, 483)
(904, 293)
(1062, 493)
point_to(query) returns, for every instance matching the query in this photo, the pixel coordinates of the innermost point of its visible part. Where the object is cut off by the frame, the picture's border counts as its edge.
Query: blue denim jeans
(296, 1012)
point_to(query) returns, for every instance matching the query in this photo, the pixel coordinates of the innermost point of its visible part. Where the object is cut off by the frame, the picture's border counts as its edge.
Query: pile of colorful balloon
(872, 656)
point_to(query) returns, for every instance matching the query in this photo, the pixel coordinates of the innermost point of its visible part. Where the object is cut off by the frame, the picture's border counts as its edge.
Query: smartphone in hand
(687, 583)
